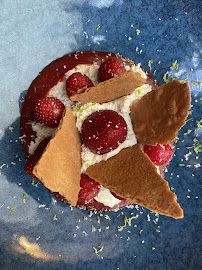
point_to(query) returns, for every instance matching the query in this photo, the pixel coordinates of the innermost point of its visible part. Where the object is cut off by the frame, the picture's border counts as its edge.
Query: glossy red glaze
(40, 88)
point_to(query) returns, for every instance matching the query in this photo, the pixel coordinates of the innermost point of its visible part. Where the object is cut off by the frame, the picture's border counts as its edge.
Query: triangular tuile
(59, 167)
(136, 181)
(159, 115)
(111, 89)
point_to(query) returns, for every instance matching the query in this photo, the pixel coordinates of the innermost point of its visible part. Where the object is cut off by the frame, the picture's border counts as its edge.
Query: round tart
(43, 86)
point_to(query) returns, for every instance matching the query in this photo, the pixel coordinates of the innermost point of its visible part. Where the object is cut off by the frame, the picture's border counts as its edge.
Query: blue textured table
(43, 233)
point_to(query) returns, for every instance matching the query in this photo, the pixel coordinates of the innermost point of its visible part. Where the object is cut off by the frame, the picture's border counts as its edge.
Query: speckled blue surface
(33, 33)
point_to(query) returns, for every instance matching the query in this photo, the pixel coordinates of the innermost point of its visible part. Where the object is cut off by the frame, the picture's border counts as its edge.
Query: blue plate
(39, 232)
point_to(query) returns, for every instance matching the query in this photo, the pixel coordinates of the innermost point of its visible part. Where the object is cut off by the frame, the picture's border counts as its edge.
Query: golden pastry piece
(114, 88)
(159, 115)
(131, 175)
(59, 167)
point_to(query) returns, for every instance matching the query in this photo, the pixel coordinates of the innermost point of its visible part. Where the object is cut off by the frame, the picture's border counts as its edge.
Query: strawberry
(49, 111)
(116, 196)
(77, 81)
(33, 159)
(110, 68)
(89, 188)
(103, 131)
(159, 154)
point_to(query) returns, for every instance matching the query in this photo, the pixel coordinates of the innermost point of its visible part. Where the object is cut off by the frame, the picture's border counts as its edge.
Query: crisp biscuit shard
(114, 88)
(59, 167)
(159, 115)
(137, 181)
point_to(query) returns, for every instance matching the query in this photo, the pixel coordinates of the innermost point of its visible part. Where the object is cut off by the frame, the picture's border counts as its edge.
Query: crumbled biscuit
(159, 115)
(59, 167)
(114, 88)
(136, 181)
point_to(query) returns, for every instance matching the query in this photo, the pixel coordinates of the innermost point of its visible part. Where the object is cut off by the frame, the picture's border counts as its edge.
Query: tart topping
(137, 181)
(109, 90)
(110, 68)
(159, 154)
(49, 111)
(89, 188)
(159, 115)
(59, 167)
(77, 81)
(33, 159)
(103, 131)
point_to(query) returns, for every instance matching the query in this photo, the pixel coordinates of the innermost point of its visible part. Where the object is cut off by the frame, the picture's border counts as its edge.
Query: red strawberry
(33, 159)
(116, 196)
(77, 81)
(159, 154)
(110, 68)
(49, 111)
(89, 188)
(103, 131)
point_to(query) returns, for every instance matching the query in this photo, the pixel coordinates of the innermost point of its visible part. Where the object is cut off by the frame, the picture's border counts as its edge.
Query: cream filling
(81, 112)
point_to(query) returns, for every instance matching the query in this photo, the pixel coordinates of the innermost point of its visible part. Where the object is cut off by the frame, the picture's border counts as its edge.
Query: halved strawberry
(110, 68)
(48, 111)
(104, 131)
(159, 154)
(116, 196)
(77, 81)
(33, 159)
(89, 188)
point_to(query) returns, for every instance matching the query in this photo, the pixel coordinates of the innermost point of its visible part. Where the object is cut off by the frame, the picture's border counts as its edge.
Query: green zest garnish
(12, 208)
(196, 82)
(54, 217)
(107, 217)
(11, 128)
(93, 229)
(98, 218)
(165, 77)
(97, 251)
(24, 198)
(126, 221)
(137, 32)
(199, 124)
(188, 132)
(175, 65)
(149, 64)
(98, 27)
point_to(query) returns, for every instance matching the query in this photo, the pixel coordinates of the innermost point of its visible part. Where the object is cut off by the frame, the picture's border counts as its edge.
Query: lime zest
(188, 132)
(150, 63)
(165, 77)
(24, 198)
(98, 218)
(98, 250)
(175, 65)
(54, 217)
(93, 229)
(11, 128)
(107, 217)
(198, 124)
(98, 27)
(4, 164)
(126, 221)
(13, 207)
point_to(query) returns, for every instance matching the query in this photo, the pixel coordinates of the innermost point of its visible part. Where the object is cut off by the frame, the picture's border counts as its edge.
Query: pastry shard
(159, 115)
(137, 181)
(114, 88)
(59, 167)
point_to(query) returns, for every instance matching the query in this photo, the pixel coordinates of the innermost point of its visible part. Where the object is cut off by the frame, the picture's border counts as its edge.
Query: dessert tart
(98, 132)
